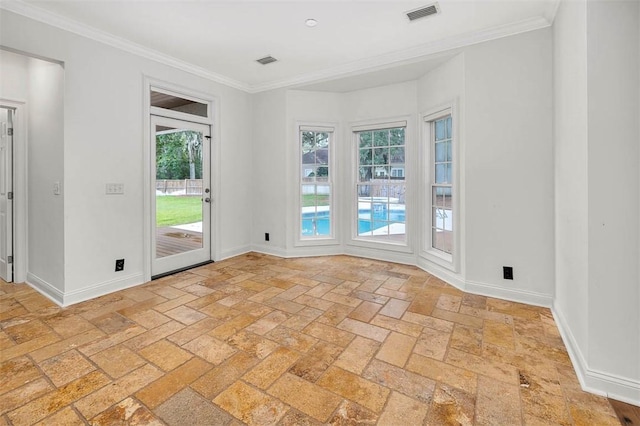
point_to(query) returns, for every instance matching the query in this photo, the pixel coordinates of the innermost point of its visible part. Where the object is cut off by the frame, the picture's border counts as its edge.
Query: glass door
(181, 195)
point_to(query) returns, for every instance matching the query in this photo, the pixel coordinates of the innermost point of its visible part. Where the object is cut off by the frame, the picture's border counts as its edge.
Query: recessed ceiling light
(311, 22)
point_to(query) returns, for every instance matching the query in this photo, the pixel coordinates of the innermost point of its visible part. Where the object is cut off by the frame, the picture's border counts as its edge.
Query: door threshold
(175, 271)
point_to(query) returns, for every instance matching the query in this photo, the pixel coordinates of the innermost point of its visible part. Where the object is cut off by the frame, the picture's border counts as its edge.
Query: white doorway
(6, 194)
(181, 204)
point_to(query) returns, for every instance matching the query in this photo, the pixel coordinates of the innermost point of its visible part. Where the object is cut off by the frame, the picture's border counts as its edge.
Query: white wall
(39, 84)
(14, 76)
(45, 154)
(509, 165)
(103, 142)
(445, 87)
(613, 113)
(596, 91)
(570, 149)
(269, 197)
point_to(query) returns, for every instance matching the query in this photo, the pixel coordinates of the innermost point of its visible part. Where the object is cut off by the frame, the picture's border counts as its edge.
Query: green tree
(179, 155)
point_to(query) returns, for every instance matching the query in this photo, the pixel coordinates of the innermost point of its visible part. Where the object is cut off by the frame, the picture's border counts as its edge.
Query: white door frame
(213, 120)
(6, 195)
(20, 187)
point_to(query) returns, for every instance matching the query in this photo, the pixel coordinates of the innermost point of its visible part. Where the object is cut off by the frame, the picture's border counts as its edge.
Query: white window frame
(316, 240)
(449, 261)
(372, 125)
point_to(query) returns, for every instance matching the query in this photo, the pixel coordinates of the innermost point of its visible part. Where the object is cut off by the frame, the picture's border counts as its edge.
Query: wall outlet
(114, 188)
(119, 265)
(56, 188)
(266, 236)
(507, 272)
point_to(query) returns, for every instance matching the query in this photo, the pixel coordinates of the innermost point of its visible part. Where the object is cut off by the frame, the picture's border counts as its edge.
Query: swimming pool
(319, 223)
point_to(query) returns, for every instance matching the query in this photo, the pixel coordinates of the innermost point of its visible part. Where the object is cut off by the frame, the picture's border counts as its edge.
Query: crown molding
(407, 56)
(38, 14)
(553, 11)
(398, 58)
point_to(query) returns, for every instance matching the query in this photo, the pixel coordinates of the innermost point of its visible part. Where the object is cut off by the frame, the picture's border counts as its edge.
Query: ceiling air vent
(266, 60)
(423, 12)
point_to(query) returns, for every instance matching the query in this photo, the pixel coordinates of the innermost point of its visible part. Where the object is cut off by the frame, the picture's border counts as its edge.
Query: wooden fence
(179, 187)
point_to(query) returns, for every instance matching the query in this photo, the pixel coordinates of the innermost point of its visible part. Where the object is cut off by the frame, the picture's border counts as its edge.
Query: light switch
(114, 189)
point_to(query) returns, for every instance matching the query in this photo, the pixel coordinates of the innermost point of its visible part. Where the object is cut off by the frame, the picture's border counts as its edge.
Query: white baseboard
(444, 274)
(514, 295)
(593, 381)
(272, 250)
(100, 289)
(46, 289)
(234, 252)
(377, 254)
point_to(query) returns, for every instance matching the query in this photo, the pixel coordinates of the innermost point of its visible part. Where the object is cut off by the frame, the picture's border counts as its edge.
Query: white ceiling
(222, 39)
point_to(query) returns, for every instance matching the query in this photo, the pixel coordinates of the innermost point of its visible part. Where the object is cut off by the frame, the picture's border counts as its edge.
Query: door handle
(207, 200)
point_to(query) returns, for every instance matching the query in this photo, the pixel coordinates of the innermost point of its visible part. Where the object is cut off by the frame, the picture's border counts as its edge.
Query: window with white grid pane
(316, 216)
(381, 187)
(442, 211)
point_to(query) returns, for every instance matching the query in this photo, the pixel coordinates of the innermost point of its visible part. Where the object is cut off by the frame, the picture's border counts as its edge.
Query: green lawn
(178, 210)
(310, 200)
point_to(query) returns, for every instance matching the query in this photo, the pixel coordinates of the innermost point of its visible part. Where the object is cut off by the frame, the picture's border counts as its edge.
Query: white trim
(407, 56)
(46, 289)
(381, 253)
(514, 295)
(403, 57)
(236, 251)
(377, 125)
(442, 272)
(274, 251)
(20, 188)
(100, 289)
(309, 127)
(65, 299)
(594, 381)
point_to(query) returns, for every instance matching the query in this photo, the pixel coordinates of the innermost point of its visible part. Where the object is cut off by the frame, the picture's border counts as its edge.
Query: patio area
(172, 240)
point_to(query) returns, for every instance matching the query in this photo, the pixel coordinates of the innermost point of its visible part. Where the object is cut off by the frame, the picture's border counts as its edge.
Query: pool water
(319, 223)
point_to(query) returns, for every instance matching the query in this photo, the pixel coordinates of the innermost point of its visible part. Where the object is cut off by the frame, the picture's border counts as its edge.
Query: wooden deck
(171, 241)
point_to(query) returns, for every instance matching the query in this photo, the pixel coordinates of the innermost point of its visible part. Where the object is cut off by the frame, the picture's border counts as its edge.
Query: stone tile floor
(261, 340)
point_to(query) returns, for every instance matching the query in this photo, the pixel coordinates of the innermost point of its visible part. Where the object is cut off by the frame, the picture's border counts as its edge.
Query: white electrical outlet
(114, 189)
(56, 188)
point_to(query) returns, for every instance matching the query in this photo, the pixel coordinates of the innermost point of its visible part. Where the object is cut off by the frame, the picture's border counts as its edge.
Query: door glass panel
(179, 190)
(176, 103)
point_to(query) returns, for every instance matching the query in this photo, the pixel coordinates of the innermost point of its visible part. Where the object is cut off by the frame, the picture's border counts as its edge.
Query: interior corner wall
(597, 96)
(508, 167)
(570, 148)
(268, 167)
(103, 143)
(613, 111)
(45, 166)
